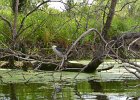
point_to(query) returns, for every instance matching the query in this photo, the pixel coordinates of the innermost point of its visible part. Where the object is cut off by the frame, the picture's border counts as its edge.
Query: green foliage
(2, 38)
(4, 32)
(118, 26)
(123, 24)
(49, 26)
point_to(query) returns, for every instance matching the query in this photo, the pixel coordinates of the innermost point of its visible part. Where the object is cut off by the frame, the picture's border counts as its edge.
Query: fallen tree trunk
(100, 50)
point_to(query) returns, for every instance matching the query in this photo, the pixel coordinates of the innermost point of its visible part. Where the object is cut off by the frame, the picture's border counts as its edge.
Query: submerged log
(98, 58)
(4, 64)
(72, 66)
(34, 65)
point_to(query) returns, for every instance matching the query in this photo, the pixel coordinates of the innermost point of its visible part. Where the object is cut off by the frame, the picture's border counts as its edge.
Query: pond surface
(115, 84)
(80, 90)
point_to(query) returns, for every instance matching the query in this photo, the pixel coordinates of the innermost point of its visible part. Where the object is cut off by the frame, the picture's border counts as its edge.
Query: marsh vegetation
(100, 33)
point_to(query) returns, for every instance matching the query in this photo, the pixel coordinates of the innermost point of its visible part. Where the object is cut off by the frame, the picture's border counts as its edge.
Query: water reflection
(94, 97)
(112, 90)
(12, 92)
(96, 86)
(80, 90)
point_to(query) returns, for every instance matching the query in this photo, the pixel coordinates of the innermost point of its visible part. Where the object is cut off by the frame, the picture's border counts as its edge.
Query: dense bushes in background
(48, 26)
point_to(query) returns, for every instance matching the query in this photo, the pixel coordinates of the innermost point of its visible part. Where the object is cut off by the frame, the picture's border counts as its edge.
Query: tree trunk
(11, 63)
(13, 44)
(96, 60)
(100, 50)
(21, 6)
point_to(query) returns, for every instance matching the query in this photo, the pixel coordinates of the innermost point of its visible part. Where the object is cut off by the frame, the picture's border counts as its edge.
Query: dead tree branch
(126, 5)
(133, 72)
(28, 14)
(8, 22)
(80, 37)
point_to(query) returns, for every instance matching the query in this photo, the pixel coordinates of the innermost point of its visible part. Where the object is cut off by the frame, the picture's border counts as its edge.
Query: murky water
(114, 84)
(79, 90)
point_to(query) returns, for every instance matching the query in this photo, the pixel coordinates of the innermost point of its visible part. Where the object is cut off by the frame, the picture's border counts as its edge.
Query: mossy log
(25, 65)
